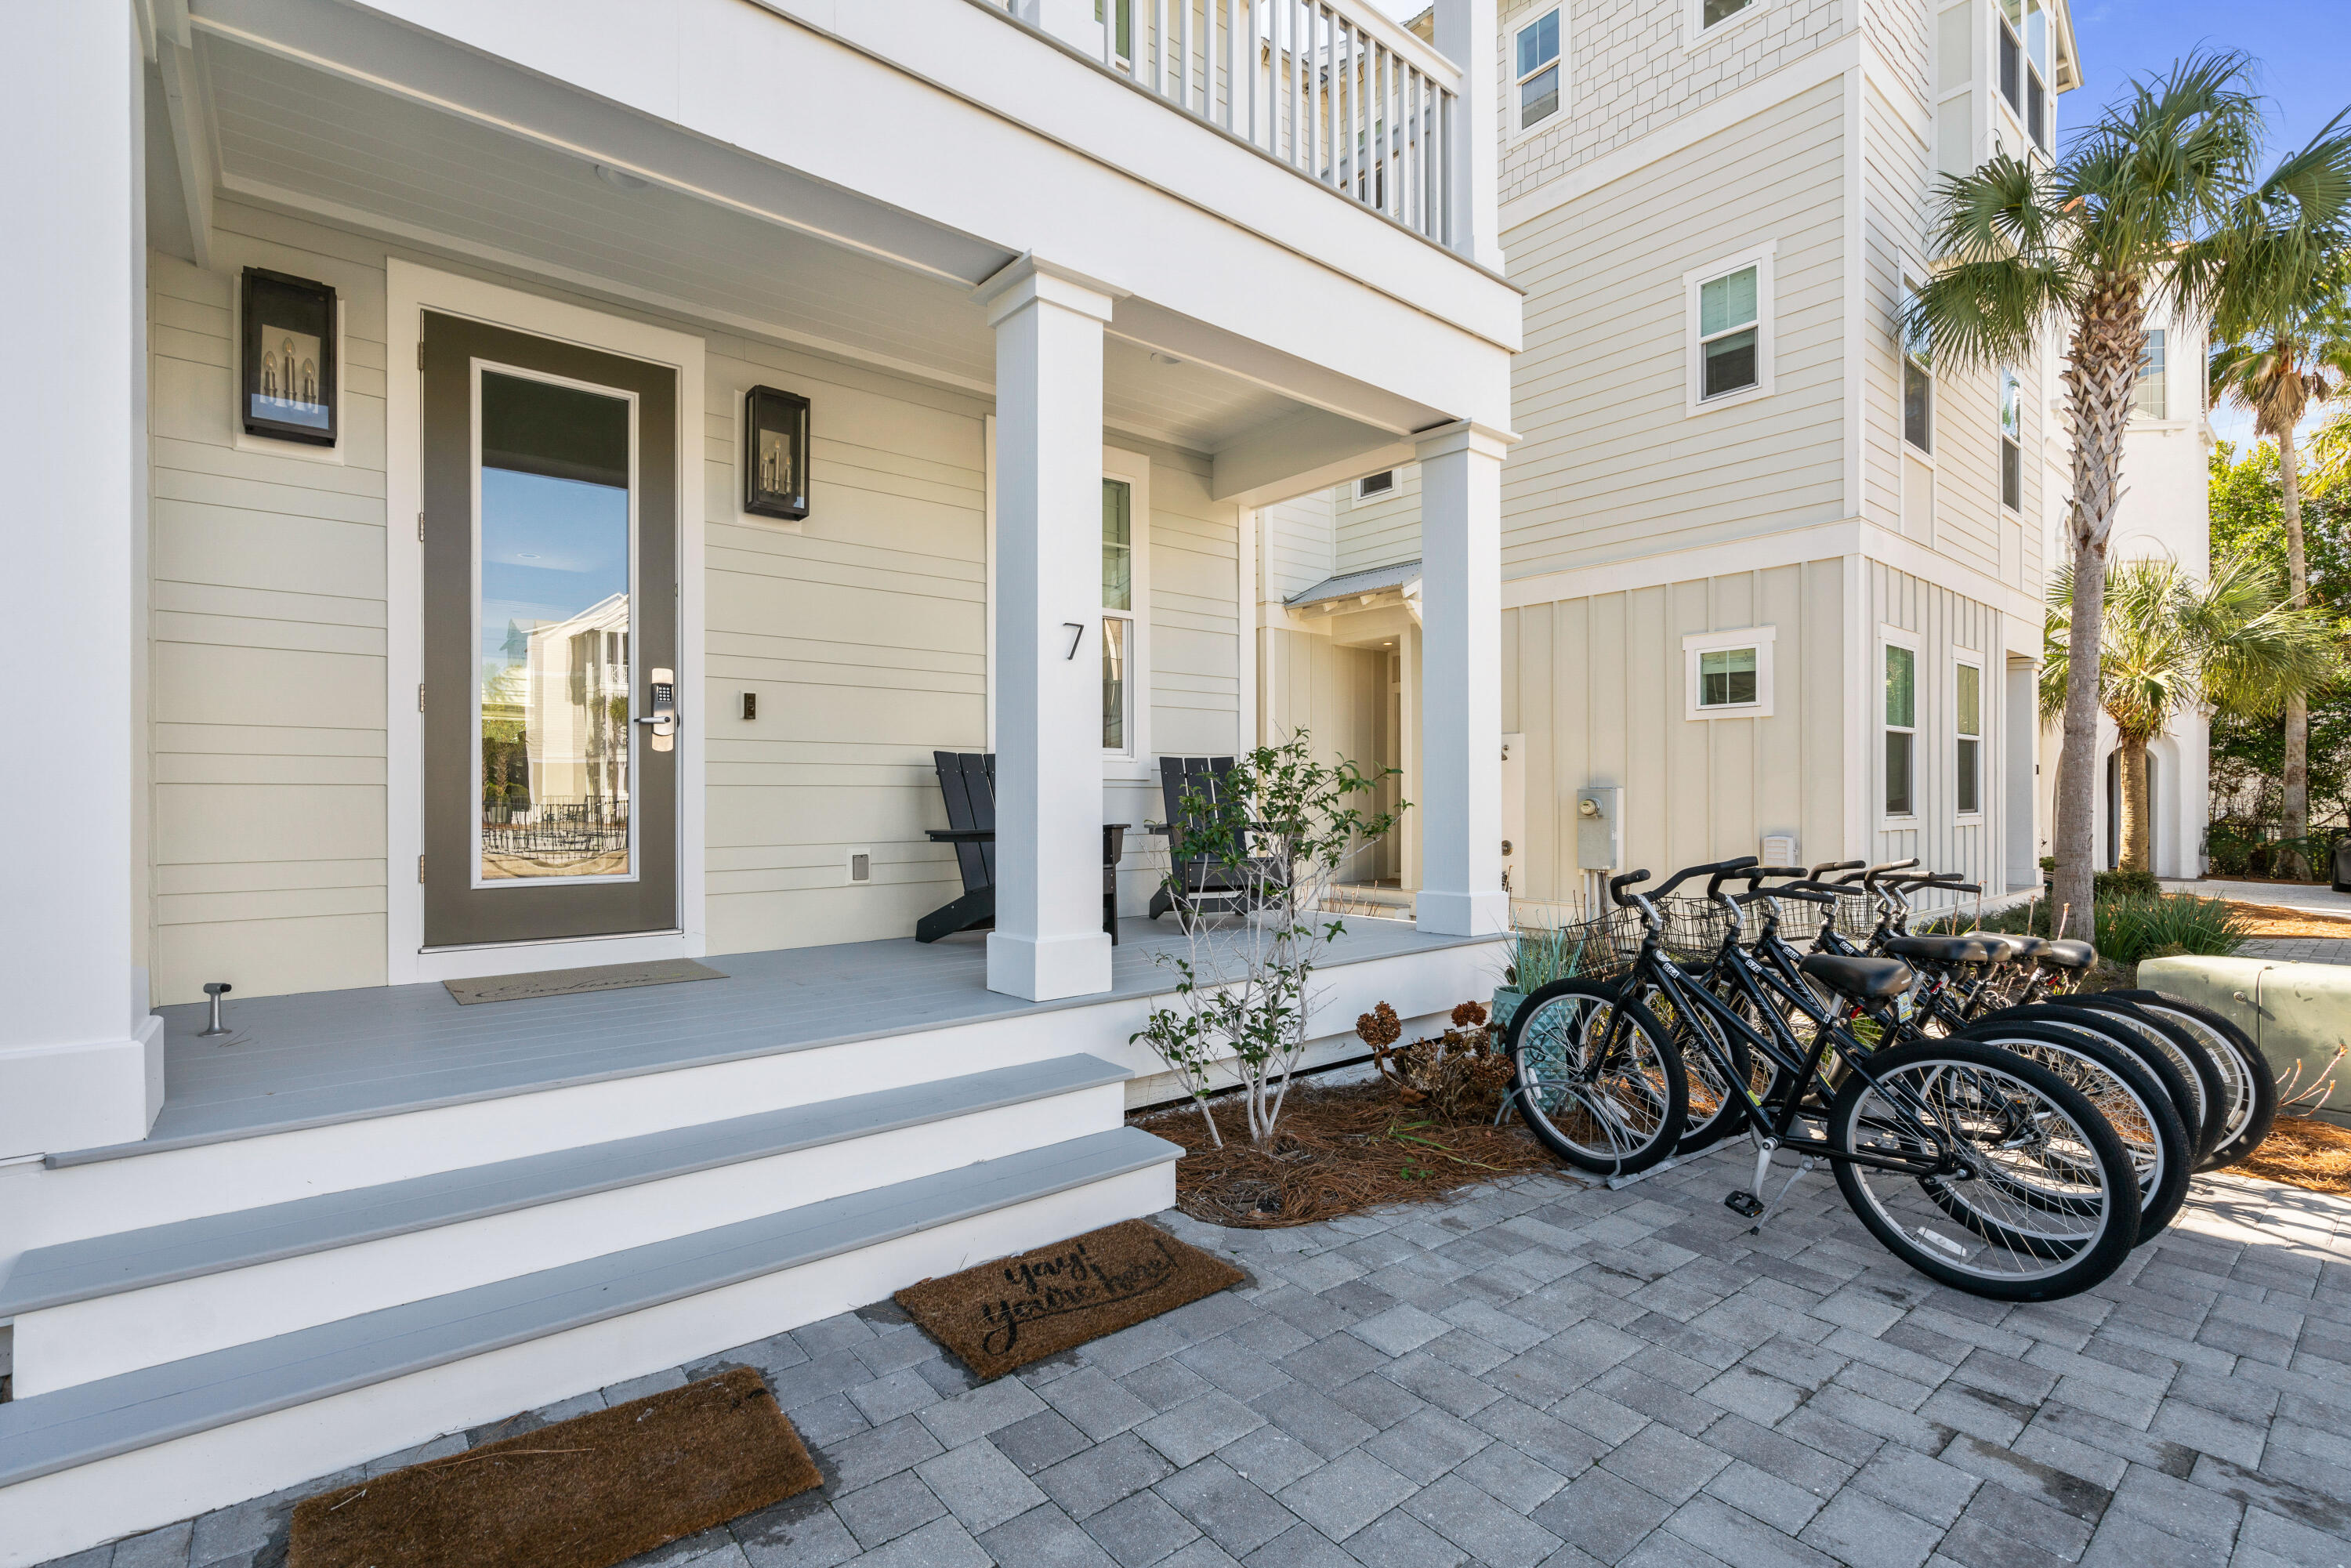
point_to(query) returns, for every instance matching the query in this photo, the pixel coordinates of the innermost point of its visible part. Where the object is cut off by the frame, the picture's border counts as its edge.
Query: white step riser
(82, 1341)
(73, 1510)
(41, 1208)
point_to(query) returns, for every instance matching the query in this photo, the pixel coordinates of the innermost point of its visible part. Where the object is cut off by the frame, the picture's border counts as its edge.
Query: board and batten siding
(863, 630)
(1946, 624)
(1595, 684)
(1611, 464)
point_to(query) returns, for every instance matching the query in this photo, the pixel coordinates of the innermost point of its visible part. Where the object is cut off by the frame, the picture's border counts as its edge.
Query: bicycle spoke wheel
(2249, 1088)
(2014, 1186)
(1713, 1111)
(1599, 1082)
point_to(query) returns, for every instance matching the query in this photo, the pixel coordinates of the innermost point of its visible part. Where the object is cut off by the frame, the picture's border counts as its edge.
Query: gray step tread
(155, 1255)
(92, 1421)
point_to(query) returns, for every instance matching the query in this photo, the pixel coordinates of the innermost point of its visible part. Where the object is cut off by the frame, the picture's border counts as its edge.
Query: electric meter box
(1599, 827)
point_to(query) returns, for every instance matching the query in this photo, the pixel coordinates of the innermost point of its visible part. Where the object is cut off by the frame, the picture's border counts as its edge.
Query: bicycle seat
(2065, 952)
(1963, 949)
(2009, 947)
(1863, 979)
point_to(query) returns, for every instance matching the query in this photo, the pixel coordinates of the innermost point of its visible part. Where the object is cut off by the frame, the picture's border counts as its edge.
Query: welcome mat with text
(584, 1493)
(1014, 1310)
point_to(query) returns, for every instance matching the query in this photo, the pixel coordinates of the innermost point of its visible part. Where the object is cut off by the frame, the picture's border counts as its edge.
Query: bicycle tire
(1548, 1041)
(2207, 1075)
(2164, 1064)
(1969, 1076)
(1710, 1106)
(2253, 1096)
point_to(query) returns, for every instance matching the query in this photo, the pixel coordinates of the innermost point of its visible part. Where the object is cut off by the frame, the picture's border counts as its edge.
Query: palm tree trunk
(2137, 854)
(2296, 803)
(2101, 370)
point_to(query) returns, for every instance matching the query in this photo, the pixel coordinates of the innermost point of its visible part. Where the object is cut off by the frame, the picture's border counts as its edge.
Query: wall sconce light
(289, 358)
(775, 453)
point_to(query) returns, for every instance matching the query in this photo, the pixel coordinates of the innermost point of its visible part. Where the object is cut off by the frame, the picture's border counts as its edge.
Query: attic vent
(1378, 483)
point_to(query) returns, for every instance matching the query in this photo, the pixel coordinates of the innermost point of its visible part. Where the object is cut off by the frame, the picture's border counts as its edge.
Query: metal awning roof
(1354, 584)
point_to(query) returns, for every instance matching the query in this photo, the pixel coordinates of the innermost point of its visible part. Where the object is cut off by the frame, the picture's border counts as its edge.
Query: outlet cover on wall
(860, 865)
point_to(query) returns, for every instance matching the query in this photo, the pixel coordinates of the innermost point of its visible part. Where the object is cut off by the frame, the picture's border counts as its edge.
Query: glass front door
(550, 612)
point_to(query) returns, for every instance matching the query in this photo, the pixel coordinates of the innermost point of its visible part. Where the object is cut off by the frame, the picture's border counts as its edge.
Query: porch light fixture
(775, 453)
(289, 358)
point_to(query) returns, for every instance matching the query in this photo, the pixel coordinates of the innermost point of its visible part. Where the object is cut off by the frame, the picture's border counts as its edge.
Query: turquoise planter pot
(1504, 1003)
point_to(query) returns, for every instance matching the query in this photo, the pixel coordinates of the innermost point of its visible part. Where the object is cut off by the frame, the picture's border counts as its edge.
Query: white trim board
(409, 290)
(1759, 552)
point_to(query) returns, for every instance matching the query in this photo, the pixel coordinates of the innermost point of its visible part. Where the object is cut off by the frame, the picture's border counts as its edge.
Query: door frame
(409, 290)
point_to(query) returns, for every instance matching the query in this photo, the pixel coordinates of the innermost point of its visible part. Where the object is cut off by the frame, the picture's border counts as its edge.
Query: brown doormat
(581, 1493)
(1012, 1312)
(569, 982)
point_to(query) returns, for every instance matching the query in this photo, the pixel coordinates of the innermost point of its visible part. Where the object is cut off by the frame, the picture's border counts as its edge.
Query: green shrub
(1540, 955)
(2132, 930)
(2125, 884)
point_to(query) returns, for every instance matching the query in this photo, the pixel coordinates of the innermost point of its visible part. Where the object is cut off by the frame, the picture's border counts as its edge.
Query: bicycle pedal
(1744, 1203)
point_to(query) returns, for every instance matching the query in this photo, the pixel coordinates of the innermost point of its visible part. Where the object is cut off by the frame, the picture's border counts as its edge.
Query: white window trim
(2162, 378)
(1903, 359)
(1896, 637)
(1395, 485)
(1982, 737)
(1512, 81)
(1696, 35)
(1134, 468)
(1694, 359)
(1694, 643)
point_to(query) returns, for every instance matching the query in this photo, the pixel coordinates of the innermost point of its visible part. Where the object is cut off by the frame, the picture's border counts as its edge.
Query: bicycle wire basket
(1856, 915)
(1604, 948)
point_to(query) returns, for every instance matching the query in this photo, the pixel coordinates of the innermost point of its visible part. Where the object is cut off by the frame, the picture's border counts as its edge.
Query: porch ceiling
(294, 137)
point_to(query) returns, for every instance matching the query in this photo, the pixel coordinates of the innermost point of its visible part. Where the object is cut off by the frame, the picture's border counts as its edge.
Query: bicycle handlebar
(1826, 866)
(1869, 878)
(1718, 870)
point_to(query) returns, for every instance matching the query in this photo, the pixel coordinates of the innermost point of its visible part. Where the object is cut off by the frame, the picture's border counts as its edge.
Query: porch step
(107, 1305)
(49, 1434)
(158, 1254)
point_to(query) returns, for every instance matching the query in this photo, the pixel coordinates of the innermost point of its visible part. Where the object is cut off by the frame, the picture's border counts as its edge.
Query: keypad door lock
(663, 701)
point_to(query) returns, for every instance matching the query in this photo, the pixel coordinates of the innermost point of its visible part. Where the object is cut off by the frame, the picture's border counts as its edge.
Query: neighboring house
(2166, 513)
(426, 627)
(1771, 582)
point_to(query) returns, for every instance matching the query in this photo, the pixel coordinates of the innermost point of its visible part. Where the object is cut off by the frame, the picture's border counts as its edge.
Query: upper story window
(1707, 14)
(1118, 615)
(2012, 441)
(2147, 400)
(1538, 70)
(2023, 45)
(1917, 383)
(1374, 485)
(1967, 750)
(1729, 332)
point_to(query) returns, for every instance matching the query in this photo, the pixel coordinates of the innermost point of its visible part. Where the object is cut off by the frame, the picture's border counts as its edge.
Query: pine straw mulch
(2273, 920)
(2302, 1151)
(1338, 1149)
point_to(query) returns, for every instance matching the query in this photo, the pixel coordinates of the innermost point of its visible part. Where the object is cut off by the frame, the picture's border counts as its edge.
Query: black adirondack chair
(967, 785)
(1205, 884)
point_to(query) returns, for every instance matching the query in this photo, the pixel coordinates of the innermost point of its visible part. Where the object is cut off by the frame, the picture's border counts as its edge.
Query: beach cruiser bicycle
(1978, 1168)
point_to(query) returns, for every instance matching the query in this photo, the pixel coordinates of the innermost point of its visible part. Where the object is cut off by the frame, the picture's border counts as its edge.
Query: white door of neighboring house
(1514, 813)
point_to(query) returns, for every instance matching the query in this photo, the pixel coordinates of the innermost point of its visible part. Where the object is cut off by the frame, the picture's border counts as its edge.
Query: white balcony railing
(1330, 87)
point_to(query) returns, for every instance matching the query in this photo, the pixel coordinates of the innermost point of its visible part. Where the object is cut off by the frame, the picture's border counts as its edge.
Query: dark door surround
(458, 913)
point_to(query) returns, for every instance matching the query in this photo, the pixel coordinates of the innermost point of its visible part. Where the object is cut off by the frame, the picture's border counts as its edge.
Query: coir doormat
(570, 982)
(1008, 1313)
(582, 1493)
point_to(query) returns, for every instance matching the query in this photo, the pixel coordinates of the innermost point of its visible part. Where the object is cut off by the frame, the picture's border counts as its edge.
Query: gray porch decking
(322, 1057)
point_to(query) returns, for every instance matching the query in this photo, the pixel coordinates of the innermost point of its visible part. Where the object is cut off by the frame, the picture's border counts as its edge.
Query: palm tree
(2156, 205)
(2278, 368)
(2232, 642)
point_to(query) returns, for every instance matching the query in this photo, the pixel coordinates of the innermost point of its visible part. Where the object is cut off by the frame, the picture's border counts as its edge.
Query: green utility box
(2299, 1014)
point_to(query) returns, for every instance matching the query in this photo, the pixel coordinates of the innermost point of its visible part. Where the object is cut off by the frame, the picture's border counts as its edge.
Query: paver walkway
(1545, 1372)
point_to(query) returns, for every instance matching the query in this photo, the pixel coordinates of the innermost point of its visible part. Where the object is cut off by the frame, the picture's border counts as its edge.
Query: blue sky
(2303, 50)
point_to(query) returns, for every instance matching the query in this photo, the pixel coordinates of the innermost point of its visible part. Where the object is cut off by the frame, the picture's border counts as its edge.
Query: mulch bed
(582, 1493)
(2302, 1151)
(1337, 1150)
(1013, 1310)
(2270, 920)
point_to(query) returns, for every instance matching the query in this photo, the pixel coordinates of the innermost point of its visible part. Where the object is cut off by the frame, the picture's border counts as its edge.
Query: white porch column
(81, 1057)
(1465, 35)
(1049, 941)
(1461, 784)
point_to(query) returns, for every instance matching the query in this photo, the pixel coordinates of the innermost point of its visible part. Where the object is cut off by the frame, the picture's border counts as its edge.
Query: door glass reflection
(554, 618)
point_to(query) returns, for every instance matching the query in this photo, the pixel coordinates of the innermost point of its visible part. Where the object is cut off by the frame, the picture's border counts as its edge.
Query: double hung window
(1901, 730)
(2148, 399)
(1918, 379)
(1728, 326)
(2023, 45)
(1967, 706)
(1538, 79)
